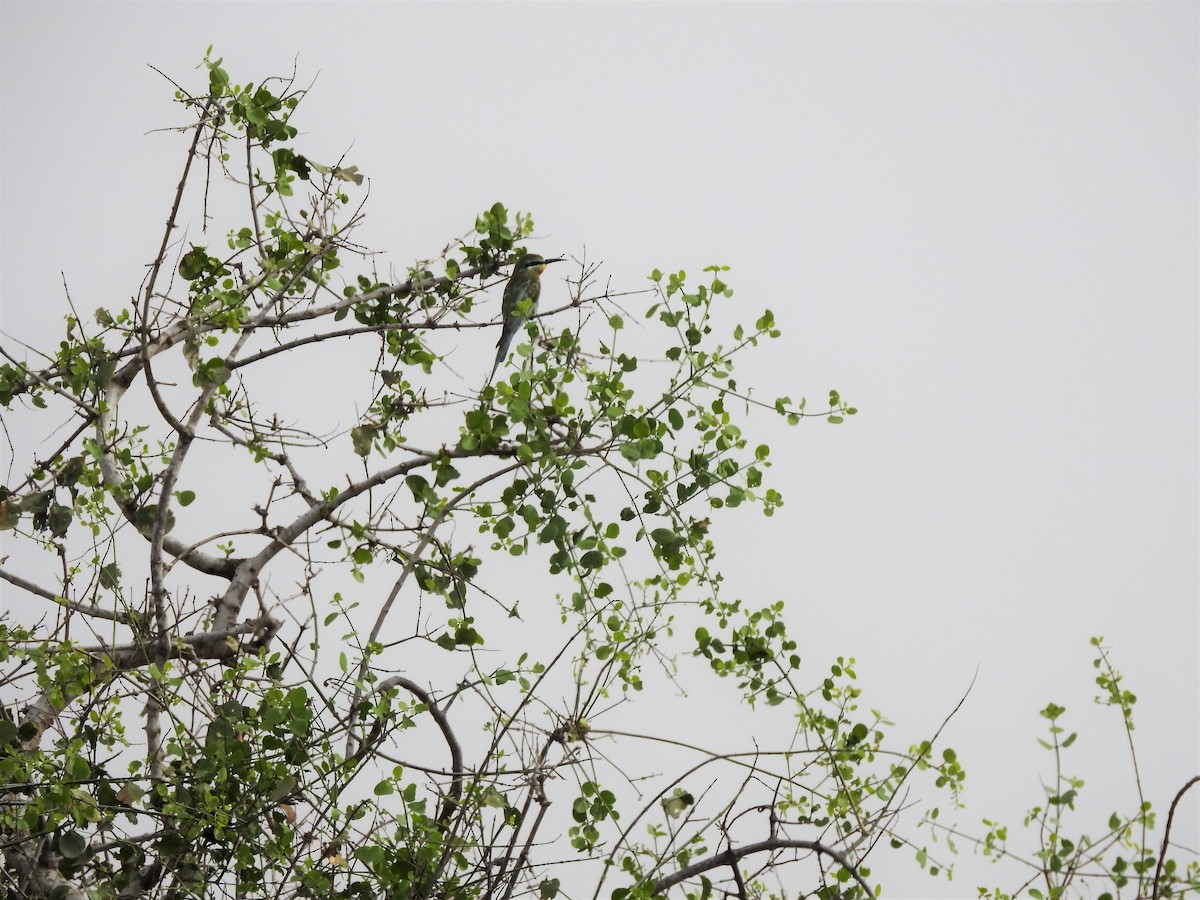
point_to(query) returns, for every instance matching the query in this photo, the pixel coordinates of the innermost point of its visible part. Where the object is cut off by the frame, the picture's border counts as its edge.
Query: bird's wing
(517, 290)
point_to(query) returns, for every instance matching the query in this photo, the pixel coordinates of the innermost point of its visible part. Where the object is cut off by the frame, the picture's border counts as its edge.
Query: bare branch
(450, 802)
(732, 855)
(1162, 854)
(87, 609)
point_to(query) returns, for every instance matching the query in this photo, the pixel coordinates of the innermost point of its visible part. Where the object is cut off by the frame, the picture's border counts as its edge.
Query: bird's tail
(499, 359)
(503, 345)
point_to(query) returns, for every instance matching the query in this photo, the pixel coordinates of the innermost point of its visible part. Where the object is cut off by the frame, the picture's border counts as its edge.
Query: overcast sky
(977, 221)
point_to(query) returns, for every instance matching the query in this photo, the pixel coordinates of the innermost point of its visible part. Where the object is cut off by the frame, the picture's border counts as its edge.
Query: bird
(524, 284)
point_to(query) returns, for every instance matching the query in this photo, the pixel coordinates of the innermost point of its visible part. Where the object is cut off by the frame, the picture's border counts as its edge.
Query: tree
(273, 656)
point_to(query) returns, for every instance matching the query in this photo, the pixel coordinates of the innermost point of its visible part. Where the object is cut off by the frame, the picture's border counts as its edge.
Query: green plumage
(520, 302)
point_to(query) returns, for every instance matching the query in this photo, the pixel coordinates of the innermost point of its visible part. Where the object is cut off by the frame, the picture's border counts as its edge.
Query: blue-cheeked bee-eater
(520, 301)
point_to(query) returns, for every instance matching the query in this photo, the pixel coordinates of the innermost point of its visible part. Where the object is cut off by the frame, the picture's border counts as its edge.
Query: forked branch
(732, 855)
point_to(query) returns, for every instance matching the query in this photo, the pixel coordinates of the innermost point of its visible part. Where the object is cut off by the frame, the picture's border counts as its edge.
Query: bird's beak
(556, 259)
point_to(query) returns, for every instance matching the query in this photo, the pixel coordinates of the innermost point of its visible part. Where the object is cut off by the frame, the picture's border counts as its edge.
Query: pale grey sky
(977, 221)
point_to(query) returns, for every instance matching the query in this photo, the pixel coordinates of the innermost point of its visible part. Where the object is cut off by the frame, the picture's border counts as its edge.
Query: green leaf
(72, 844)
(283, 788)
(10, 513)
(420, 488)
(59, 519)
(677, 803)
(493, 798)
(665, 537)
(349, 173)
(78, 769)
(193, 264)
(363, 437)
(110, 576)
(593, 559)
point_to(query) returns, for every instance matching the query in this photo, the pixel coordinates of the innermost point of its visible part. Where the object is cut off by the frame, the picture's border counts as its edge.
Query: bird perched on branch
(520, 301)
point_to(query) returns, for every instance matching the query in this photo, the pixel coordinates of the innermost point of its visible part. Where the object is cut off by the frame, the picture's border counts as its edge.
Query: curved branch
(1162, 854)
(732, 855)
(413, 559)
(450, 802)
(710, 758)
(188, 554)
